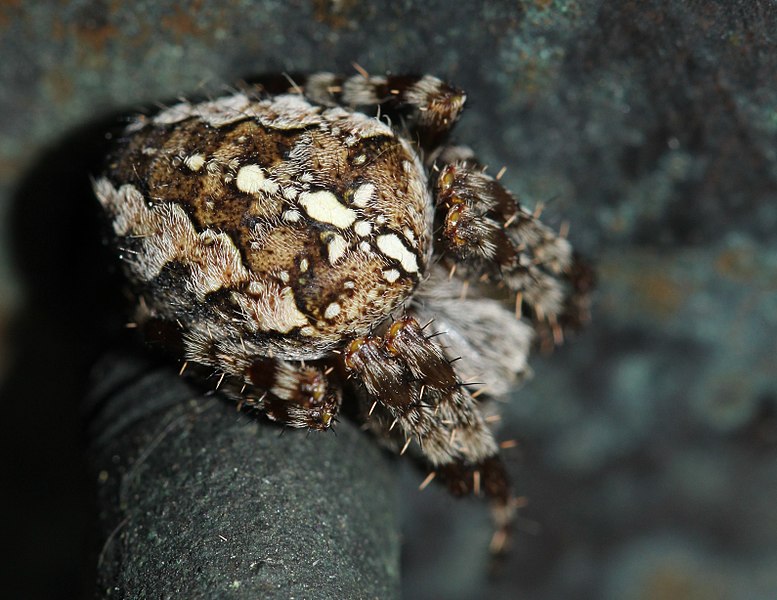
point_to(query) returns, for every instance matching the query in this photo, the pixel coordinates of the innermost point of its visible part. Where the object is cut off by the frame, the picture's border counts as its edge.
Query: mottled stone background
(648, 444)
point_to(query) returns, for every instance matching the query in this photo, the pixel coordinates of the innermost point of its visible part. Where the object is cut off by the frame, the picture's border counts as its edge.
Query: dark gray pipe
(199, 501)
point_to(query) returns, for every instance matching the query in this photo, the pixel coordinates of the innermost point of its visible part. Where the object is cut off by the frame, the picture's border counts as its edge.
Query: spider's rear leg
(426, 105)
(485, 228)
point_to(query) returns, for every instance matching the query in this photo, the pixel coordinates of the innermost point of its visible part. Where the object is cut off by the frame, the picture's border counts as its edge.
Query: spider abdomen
(291, 223)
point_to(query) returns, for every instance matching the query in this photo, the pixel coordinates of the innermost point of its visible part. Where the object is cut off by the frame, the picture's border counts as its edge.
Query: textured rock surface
(648, 445)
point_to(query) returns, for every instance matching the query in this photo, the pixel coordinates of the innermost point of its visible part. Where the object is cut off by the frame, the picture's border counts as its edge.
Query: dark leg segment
(427, 403)
(296, 395)
(486, 229)
(427, 106)
(293, 393)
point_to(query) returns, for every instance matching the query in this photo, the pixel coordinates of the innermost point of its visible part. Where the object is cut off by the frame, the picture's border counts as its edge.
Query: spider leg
(294, 393)
(487, 230)
(414, 394)
(427, 106)
(414, 383)
(493, 346)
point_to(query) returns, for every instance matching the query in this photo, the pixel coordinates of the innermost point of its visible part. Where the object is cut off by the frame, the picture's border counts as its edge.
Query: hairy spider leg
(484, 227)
(294, 393)
(427, 106)
(419, 397)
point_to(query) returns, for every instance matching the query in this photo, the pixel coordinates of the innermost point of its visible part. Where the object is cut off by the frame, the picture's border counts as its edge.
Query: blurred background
(647, 445)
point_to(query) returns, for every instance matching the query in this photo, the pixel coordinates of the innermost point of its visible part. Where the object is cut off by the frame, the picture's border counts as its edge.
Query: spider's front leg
(295, 394)
(408, 377)
(414, 394)
(496, 239)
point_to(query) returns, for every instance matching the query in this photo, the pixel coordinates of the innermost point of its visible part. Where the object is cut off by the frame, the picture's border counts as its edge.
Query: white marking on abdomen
(392, 246)
(362, 228)
(194, 162)
(336, 248)
(323, 206)
(250, 179)
(391, 275)
(332, 311)
(291, 215)
(363, 194)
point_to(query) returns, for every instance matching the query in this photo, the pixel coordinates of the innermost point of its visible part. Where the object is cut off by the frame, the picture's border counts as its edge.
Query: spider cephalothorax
(300, 247)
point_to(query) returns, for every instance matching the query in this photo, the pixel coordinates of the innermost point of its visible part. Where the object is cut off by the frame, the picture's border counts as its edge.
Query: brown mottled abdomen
(288, 224)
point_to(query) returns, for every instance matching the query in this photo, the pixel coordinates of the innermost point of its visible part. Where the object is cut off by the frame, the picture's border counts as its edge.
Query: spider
(318, 238)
